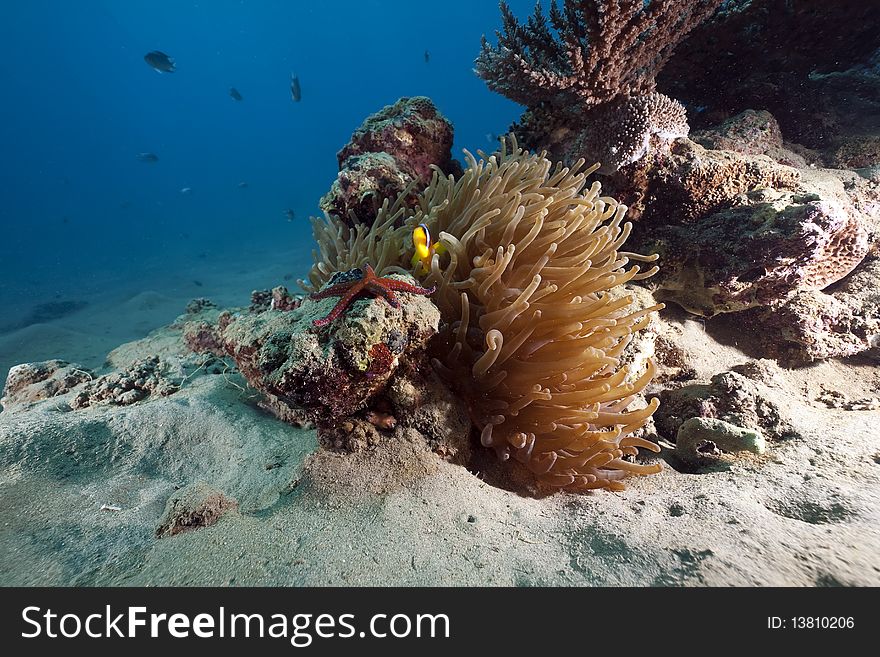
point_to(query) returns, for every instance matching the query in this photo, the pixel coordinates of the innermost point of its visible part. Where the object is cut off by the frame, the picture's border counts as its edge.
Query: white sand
(807, 513)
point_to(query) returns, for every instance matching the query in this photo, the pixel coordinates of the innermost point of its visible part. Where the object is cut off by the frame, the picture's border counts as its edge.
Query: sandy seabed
(806, 513)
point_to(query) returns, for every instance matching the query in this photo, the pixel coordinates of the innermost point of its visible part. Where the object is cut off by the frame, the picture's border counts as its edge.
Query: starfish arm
(337, 290)
(341, 305)
(376, 287)
(400, 286)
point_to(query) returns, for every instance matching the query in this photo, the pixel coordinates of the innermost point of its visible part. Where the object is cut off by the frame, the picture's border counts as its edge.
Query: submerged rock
(736, 398)
(393, 150)
(330, 373)
(193, 507)
(703, 441)
(31, 382)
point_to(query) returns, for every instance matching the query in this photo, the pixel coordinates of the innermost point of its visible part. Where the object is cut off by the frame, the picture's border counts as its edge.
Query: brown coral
(589, 81)
(605, 49)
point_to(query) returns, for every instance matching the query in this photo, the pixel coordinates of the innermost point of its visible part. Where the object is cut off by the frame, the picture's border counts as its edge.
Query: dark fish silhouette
(295, 91)
(147, 157)
(290, 214)
(427, 57)
(234, 93)
(159, 61)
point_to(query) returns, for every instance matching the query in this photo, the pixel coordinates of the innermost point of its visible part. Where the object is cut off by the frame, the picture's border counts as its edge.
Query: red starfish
(364, 280)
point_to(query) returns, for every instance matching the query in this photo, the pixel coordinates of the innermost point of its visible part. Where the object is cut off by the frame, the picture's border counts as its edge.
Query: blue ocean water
(81, 214)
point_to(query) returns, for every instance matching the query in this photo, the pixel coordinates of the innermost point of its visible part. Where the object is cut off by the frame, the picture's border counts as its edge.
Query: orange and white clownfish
(425, 249)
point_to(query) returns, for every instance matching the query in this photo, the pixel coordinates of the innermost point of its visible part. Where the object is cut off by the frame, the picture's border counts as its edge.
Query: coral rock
(730, 396)
(759, 252)
(331, 373)
(199, 305)
(857, 152)
(145, 377)
(392, 150)
(814, 325)
(703, 441)
(694, 181)
(751, 133)
(31, 382)
(193, 507)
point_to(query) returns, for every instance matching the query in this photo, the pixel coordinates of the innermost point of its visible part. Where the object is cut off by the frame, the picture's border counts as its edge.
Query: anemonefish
(425, 249)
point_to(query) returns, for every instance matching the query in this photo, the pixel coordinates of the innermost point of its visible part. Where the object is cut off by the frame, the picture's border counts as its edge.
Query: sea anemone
(534, 329)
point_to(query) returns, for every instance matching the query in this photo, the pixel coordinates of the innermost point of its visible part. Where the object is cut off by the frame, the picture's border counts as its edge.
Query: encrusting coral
(390, 153)
(587, 75)
(532, 338)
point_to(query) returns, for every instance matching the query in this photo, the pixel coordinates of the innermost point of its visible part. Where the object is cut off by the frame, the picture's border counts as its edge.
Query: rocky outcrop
(32, 382)
(392, 151)
(330, 373)
(737, 399)
(815, 325)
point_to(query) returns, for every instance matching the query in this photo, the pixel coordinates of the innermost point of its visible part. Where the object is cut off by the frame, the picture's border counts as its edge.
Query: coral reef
(588, 74)
(390, 154)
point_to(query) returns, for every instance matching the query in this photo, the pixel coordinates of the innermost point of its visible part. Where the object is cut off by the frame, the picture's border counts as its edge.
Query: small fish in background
(427, 57)
(492, 138)
(290, 214)
(235, 94)
(159, 62)
(186, 190)
(242, 185)
(295, 91)
(147, 157)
